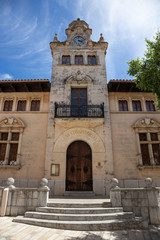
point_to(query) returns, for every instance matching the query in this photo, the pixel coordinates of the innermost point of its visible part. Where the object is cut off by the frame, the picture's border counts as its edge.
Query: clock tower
(79, 147)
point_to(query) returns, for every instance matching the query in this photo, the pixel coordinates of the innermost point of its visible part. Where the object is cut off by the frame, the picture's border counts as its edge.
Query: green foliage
(147, 70)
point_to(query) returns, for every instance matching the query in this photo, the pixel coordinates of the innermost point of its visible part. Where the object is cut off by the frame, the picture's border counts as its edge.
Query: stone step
(78, 217)
(79, 205)
(82, 194)
(78, 210)
(105, 225)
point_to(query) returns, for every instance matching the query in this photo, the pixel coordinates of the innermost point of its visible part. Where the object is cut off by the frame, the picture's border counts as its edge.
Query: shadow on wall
(116, 235)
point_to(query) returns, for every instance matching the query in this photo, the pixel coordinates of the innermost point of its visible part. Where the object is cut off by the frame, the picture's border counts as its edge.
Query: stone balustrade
(144, 202)
(20, 200)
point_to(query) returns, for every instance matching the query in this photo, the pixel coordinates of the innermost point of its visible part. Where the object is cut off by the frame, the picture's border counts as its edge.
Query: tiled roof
(25, 80)
(122, 80)
(25, 85)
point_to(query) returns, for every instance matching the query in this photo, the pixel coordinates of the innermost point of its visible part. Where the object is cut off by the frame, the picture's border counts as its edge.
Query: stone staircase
(82, 214)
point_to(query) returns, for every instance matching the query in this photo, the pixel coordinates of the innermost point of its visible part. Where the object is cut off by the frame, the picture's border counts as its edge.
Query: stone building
(78, 131)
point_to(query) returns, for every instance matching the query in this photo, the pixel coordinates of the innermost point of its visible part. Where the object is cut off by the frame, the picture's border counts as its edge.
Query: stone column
(130, 104)
(6, 161)
(143, 104)
(19, 147)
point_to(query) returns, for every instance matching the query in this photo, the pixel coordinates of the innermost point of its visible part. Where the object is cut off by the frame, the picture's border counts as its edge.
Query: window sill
(152, 167)
(15, 167)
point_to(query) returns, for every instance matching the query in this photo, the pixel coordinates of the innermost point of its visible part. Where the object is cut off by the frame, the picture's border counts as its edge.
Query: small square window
(150, 106)
(79, 60)
(8, 105)
(35, 105)
(142, 136)
(21, 105)
(4, 136)
(92, 60)
(55, 169)
(15, 136)
(136, 104)
(123, 105)
(154, 136)
(65, 59)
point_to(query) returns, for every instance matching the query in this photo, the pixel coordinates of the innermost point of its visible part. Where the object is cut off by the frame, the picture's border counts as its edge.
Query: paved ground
(18, 231)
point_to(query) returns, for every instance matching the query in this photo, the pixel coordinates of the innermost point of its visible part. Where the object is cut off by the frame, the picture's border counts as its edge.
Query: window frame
(4, 105)
(148, 106)
(135, 107)
(90, 60)
(78, 61)
(66, 57)
(123, 106)
(21, 110)
(39, 107)
(11, 125)
(147, 126)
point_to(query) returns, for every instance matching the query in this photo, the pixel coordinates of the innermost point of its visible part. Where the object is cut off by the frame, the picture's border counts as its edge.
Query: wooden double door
(79, 167)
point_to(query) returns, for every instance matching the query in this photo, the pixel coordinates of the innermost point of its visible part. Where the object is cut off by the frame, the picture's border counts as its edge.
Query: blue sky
(28, 26)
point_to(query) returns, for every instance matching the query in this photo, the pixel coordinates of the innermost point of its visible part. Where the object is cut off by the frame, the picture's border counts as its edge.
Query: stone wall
(144, 202)
(20, 200)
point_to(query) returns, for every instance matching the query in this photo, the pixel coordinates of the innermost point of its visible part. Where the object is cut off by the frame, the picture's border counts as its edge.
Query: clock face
(78, 40)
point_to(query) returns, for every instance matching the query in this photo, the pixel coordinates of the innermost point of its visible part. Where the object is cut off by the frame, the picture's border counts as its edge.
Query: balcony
(76, 111)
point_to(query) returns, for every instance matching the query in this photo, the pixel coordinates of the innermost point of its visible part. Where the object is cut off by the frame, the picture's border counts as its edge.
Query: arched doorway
(79, 167)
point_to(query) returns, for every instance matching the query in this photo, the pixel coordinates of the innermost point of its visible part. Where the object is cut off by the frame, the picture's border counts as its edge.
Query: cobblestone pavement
(18, 231)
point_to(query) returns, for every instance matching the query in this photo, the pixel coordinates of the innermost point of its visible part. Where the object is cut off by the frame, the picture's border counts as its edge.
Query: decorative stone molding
(147, 122)
(83, 122)
(75, 134)
(79, 78)
(12, 122)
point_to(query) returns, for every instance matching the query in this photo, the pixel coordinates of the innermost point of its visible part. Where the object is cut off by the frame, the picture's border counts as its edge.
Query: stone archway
(83, 134)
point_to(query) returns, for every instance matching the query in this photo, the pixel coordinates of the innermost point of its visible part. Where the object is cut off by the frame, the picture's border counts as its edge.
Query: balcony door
(79, 102)
(79, 167)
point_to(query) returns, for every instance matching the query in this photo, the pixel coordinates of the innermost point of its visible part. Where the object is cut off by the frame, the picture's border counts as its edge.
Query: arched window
(11, 130)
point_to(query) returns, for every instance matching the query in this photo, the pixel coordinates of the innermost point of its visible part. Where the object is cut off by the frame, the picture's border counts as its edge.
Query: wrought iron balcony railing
(76, 111)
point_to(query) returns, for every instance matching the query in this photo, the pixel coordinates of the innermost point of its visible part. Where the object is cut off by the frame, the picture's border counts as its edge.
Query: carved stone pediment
(147, 122)
(11, 122)
(79, 78)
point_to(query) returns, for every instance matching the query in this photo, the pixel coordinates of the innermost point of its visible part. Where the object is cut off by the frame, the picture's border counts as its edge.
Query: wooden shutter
(2, 151)
(145, 154)
(13, 152)
(156, 153)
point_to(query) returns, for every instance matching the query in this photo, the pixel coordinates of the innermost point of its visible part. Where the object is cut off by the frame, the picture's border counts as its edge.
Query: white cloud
(5, 76)
(124, 24)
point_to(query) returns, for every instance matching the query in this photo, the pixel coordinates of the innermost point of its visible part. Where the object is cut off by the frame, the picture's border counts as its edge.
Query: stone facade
(45, 136)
